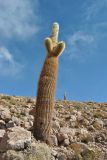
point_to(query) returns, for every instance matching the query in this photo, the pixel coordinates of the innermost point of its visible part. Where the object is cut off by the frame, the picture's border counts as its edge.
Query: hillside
(79, 131)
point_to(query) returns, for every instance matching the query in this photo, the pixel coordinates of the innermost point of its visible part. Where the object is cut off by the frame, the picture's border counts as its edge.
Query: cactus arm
(59, 48)
(48, 45)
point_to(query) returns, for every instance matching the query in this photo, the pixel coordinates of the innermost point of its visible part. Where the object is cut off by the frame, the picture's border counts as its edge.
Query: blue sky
(83, 65)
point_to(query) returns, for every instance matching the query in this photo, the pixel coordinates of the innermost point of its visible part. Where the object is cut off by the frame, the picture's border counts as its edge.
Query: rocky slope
(79, 131)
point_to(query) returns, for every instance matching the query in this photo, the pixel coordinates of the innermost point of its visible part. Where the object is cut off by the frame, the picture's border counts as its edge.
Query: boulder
(4, 113)
(2, 124)
(2, 132)
(16, 138)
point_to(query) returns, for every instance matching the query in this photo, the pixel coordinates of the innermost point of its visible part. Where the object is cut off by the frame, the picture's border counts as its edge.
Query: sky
(24, 24)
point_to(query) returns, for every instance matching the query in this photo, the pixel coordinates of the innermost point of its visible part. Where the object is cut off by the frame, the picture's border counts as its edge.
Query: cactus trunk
(45, 99)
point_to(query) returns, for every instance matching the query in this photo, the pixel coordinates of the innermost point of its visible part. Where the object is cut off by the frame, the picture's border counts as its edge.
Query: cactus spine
(46, 87)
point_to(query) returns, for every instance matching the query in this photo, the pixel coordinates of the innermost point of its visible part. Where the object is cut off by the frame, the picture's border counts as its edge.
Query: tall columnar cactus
(46, 86)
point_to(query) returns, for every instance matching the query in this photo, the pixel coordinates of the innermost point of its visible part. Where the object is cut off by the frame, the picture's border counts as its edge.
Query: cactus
(65, 96)
(46, 87)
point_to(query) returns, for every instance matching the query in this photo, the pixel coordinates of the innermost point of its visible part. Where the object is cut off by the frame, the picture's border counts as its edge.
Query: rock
(100, 137)
(73, 118)
(61, 156)
(86, 138)
(61, 137)
(65, 130)
(27, 125)
(54, 140)
(31, 123)
(83, 131)
(54, 153)
(32, 112)
(53, 158)
(71, 155)
(73, 121)
(2, 132)
(4, 114)
(66, 142)
(79, 115)
(91, 128)
(30, 118)
(16, 138)
(73, 124)
(98, 124)
(55, 125)
(10, 124)
(2, 124)
(16, 120)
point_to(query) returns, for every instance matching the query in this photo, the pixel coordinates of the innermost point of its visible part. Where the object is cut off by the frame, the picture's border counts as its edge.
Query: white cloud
(80, 36)
(8, 66)
(18, 18)
(92, 33)
(78, 43)
(95, 8)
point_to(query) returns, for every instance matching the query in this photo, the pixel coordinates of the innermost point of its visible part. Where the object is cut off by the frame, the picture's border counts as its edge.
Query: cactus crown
(53, 47)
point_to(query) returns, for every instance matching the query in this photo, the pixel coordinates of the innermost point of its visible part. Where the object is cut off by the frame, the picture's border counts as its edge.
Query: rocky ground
(79, 131)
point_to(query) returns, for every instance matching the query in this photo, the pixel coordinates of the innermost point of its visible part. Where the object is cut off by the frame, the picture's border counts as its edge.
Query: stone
(54, 153)
(32, 112)
(73, 124)
(98, 124)
(83, 131)
(30, 118)
(100, 137)
(54, 140)
(55, 125)
(2, 132)
(91, 128)
(16, 120)
(16, 138)
(53, 158)
(65, 130)
(2, 124)
(27, 125)
(73, 118)
(4, 114)
(66, 142)
(61, 156)
(61, 137)
(10, 124)
(79, 114)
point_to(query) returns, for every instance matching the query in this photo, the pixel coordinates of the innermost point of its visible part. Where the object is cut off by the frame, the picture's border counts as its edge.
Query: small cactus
(65, 96)
(46, 87)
